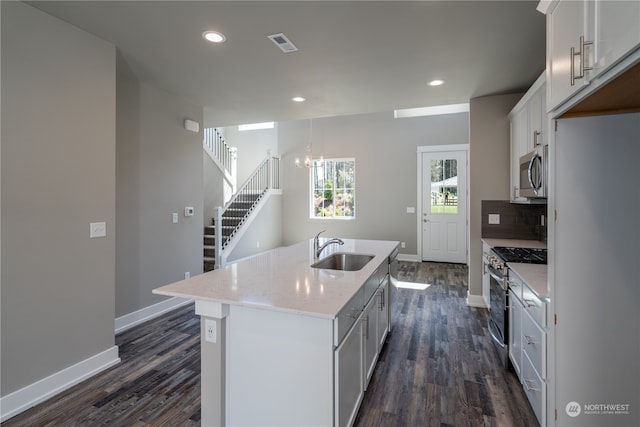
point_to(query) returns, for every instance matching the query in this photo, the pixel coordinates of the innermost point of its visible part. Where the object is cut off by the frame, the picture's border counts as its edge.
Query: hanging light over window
(307, 159)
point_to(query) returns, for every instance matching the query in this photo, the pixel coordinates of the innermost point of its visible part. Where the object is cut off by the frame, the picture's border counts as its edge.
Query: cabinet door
(349, 382)
(565, 25)
(370, 326)
(535, 113)
(617, 30)
(519, 124)
(383, 313)
(515, 333)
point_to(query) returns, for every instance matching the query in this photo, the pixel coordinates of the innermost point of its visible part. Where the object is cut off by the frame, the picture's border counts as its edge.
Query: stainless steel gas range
(496, 265)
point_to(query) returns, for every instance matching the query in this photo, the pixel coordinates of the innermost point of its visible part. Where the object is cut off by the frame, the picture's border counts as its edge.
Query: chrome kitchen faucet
(317, 249)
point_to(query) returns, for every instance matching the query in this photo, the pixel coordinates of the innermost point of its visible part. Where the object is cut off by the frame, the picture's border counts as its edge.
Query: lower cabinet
(349, 377)
(357, 354)
(527, 343)
(515, 331)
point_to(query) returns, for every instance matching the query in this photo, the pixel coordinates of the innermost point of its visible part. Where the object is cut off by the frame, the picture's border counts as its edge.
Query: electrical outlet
(403, 245)
(187, 275)
(494, 219)
(210, 330)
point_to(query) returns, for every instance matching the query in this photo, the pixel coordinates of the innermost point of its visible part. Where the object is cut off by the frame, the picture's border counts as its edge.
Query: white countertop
(282, 279)
(534, 275)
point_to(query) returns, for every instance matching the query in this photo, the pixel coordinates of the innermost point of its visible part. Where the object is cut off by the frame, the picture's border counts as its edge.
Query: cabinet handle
(353, 313)
(530, 388)
(365, 319)
(580, 55)
(381, 302)
(536, 134)
(529, 340)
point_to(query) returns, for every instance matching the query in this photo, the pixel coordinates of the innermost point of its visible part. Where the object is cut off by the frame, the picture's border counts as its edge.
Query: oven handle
(497, 278)
(493, 335)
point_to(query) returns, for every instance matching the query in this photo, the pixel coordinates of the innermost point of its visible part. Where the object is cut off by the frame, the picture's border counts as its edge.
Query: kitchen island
(284, 343)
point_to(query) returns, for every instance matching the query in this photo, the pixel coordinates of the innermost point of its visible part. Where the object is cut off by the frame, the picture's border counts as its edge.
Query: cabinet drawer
(534, 344)
(373, 282)
(533, 305)
(534, 388)
(348, 315)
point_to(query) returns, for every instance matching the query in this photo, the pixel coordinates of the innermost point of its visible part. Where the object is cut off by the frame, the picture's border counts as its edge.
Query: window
(444, 186)
(333, 188)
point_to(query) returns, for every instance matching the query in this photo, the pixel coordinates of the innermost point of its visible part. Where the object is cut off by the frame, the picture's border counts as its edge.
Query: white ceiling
(355, 56)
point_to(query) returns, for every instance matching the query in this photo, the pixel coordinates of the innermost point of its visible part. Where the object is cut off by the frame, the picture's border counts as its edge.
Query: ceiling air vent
(283, 43)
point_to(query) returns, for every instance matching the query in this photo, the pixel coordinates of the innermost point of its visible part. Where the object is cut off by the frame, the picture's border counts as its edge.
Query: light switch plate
(97, 229)
(411, 209)
(494, 219)
(174, 217)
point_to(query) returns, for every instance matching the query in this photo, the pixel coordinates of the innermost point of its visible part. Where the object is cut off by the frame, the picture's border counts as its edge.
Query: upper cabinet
(528, 130)
(584, 39)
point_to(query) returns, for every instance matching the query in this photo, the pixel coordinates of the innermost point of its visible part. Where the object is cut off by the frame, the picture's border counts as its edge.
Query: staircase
(231, 220)
(227, 225)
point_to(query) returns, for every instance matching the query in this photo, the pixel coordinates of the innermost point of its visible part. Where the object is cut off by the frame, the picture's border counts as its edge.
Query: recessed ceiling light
(298, 99)
(214, 36)
(436, 82)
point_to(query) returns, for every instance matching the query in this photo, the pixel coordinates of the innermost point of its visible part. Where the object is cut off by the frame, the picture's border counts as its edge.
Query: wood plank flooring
(438, 368)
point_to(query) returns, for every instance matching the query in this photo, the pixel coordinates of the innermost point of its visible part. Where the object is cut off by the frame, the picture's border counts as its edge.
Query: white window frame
(311, 190)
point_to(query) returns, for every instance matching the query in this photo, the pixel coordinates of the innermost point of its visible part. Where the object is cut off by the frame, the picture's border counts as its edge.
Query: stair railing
(223, 155)
(264, 178)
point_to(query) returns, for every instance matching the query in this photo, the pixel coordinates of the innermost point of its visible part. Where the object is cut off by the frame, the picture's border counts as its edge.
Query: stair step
(209, 251)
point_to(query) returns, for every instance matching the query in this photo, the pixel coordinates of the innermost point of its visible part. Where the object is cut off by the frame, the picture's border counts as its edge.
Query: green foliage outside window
(333, 188)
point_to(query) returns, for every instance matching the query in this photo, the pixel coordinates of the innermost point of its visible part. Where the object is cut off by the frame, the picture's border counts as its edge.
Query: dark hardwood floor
(438, 368)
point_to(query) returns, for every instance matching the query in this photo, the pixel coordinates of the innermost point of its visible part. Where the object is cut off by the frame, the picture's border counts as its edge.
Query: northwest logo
(573, 409)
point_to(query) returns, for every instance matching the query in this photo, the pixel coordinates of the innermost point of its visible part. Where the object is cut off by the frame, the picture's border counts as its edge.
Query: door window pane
(444, 186)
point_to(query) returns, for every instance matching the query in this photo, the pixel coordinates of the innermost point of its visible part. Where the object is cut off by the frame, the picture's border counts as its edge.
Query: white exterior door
(444, 206)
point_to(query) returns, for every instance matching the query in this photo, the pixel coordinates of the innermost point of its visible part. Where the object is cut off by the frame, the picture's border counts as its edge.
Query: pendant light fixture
(307, 159)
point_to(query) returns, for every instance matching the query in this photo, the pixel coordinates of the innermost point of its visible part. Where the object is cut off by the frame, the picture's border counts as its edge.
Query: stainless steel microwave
(534, 173)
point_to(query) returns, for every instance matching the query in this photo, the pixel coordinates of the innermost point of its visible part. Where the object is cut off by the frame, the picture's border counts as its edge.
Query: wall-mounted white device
(192, 125)
(189, 211)
(97, 229)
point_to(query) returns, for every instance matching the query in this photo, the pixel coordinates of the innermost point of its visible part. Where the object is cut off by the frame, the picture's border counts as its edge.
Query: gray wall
(159, 171)
(385, 150)
(489, 168)
(252, 148)
(58, 175)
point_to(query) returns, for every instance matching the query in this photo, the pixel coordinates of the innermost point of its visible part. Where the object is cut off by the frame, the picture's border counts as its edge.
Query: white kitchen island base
(293, 345)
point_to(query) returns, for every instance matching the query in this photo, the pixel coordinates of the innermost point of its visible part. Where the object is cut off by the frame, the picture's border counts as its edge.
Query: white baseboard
(408, 257)
(130, 320)
(476, 301)
(29, 396)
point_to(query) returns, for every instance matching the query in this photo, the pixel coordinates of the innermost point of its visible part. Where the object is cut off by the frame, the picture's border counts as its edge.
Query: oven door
(498, 297)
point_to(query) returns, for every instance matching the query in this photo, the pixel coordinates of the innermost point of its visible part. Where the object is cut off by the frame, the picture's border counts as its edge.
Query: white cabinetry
(584, 39)
(528, 130)
(349, 379)
(357, 354)
(375, 329)
(527, 342)
(515, 325)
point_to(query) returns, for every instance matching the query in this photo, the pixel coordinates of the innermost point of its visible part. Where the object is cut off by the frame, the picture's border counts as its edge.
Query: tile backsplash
(517, 221)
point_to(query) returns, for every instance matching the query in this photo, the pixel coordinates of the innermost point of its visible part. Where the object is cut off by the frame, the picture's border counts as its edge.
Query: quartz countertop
(282, 279)
(534, 275)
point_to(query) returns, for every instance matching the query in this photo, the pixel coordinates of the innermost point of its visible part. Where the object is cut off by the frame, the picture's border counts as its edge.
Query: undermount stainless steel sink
(343, 261)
